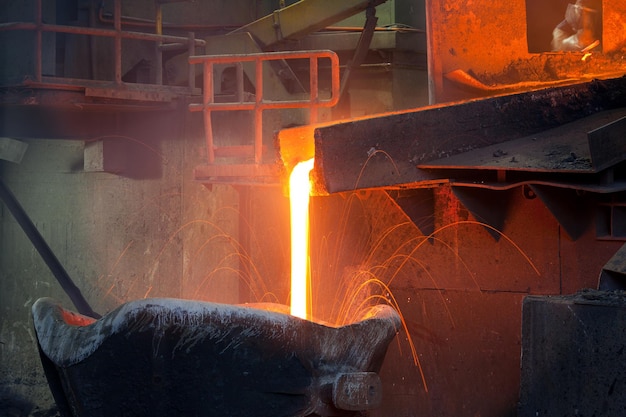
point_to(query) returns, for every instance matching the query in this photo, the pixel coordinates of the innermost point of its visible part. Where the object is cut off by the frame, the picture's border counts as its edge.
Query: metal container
(172, 357)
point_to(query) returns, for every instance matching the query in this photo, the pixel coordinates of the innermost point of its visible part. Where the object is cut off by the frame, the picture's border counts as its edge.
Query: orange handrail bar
(261, 104)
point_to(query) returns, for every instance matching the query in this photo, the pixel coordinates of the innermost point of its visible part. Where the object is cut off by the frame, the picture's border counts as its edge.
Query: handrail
(117, 33)
(258, 104)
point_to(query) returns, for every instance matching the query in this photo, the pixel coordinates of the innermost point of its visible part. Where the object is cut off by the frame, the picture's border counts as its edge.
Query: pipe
(104, 18)
(81, 30)
(46, 253)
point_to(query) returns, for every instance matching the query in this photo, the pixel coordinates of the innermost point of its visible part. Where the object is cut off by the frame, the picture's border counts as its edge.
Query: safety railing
(258, 103)
(162, 42)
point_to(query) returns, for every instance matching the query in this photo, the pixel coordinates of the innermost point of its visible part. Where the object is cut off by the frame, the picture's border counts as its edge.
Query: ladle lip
(260, 346)
(379, 311)
(81, 336)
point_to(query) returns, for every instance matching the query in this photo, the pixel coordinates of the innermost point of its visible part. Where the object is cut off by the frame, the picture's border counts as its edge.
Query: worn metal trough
(172, 357)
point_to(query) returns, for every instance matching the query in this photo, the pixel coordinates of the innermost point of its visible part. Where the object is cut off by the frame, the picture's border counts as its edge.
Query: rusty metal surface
(489, 207)
(137, 94)
(599, 187)
(506, 46)
(385, 151)
(39, 27)
(607, 144)
(80, 95)
(572, 209)
(567, 148)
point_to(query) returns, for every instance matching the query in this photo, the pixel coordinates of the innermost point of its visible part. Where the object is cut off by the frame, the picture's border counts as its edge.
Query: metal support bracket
(357, 391)
(613, 274)
(487, 206)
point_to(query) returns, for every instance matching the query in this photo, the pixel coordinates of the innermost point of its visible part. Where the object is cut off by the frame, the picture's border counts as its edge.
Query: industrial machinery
(163, 357)
(469, 169)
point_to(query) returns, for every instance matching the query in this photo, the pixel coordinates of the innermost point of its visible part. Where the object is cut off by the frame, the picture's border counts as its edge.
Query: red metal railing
(163, 42)
(258, 103)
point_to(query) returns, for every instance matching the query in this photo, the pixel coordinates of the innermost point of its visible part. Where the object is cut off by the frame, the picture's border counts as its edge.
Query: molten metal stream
(299, 191)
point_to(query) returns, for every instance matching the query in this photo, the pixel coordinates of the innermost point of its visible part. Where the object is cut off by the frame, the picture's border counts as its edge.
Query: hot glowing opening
(299, 191)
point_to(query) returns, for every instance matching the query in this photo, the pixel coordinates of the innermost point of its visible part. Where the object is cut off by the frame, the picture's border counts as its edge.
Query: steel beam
(302, 18)
(587, 145)
(45, 252)
(487, 206)
(607, 144)
(573, 210)
(613, 274)
(418, 205)
(384, 151)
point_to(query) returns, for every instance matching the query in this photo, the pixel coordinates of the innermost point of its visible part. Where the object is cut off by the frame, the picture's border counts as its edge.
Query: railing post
(258, 112)
(158, 19)
(38, 41)
(191, 50)
(240, 82)
(314, 88)
(117, 22)
(208, 99)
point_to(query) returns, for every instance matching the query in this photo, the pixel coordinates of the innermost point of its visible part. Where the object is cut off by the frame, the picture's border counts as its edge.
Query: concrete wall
(147, 232)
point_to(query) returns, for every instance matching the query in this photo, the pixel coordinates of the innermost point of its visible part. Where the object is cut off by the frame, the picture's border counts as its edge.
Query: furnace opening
(563, 25)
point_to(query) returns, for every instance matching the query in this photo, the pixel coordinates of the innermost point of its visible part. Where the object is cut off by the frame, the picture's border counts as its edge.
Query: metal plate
(607, 144)
(563, 149)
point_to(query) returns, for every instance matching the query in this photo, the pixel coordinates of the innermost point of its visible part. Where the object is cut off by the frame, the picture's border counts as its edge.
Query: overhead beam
(302, 18)
(607, 144)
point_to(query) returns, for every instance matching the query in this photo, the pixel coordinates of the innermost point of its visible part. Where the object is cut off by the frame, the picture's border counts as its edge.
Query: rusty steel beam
(46, 253)
(588, 145)
(613, 274)
(607, 144)
(39, 27)
(302, 18)
(384, 151)
(83, 30)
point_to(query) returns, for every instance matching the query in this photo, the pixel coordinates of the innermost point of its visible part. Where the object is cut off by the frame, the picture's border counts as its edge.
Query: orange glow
(299, 191)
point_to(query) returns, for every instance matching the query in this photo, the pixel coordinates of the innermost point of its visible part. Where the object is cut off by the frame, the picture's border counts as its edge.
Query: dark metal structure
(166, 357)
(516, 142)
(459, 142)
(563, 144)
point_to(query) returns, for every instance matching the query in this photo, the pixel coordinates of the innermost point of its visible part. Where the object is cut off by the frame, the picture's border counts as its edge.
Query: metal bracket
(487, 206)
(613, 274)
(417, 204)
(568, 207)
(357, 391)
